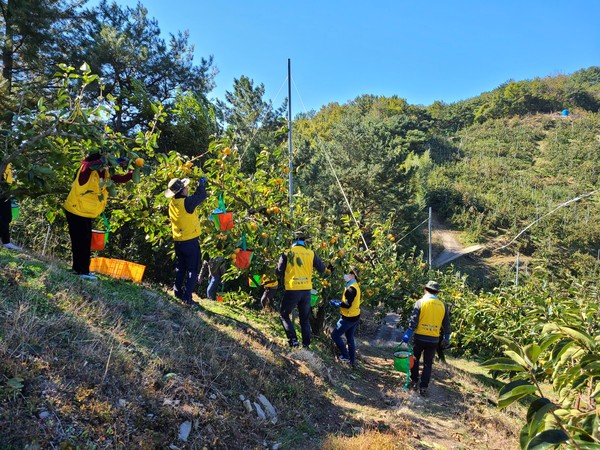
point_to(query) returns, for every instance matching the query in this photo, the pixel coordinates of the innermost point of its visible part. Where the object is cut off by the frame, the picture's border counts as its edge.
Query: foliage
(253, 122)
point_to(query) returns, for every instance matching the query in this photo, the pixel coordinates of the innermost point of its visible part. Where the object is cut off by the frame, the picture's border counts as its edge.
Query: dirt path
(448, 239)
(456, 414)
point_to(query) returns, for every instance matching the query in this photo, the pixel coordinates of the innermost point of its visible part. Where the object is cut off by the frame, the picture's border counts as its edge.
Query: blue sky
(422, 51)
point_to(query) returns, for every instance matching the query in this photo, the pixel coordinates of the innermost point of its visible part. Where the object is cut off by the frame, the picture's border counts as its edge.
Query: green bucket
(254, 281)
(402, 361)
(314, 297)
(14, 210)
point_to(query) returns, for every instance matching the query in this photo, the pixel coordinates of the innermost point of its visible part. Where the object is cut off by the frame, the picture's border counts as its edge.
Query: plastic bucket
(14, 211)
(403, 361)
(254, 280)
(314, 297)
(98, 238)
(243, 258)
(225, 221)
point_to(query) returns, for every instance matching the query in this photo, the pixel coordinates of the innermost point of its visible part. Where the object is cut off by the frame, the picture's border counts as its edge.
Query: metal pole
(517, 271)
(429, 258)
(290, 181)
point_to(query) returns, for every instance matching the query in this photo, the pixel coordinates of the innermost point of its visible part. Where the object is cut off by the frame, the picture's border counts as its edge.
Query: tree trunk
(7, 46)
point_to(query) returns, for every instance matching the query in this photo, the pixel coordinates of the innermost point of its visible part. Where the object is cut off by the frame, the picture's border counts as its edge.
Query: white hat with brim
(176, 185)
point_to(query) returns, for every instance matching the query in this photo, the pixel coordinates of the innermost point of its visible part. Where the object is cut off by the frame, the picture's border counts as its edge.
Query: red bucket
(98, 239)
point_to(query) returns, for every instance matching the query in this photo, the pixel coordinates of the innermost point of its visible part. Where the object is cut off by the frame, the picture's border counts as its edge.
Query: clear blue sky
(422, 51)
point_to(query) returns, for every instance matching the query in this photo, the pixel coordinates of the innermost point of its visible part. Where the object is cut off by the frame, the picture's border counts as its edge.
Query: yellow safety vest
(354, 309)
(431, 317)
(299, 269)
(88, 200)
(8, 174)
(185, 226)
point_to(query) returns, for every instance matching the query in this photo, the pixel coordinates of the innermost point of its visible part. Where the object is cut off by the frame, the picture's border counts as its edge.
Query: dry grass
(369, 440)
(114, 365)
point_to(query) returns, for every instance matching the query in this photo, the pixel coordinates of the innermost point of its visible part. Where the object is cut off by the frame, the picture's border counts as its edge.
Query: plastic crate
(99, 265)
(118, 268)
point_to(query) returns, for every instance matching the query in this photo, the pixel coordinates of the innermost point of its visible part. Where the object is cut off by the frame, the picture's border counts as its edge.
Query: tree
(35, 37)
(123, 45)
(252, 121)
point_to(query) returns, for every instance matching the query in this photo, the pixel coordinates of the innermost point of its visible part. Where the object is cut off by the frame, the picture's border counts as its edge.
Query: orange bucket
(225, 221)
(243, 258)
(98, 239)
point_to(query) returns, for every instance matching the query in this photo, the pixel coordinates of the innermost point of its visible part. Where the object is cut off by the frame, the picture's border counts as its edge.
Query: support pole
(430, 246)
(290, 181)
(46, 239)
(517, 271)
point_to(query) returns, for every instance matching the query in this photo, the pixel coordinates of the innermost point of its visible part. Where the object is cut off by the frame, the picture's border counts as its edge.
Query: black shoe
(294, 343)
(343, 359)
(413, 385)
(423, 392)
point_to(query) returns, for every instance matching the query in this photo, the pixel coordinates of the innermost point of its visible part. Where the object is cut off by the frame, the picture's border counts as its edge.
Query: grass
(113, 364)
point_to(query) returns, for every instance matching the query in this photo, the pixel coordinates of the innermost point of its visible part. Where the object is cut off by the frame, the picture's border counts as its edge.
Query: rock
(276, 446)
(44, 415)
(184, 430)
(242, 398)
(122, 402)
(260, 412)
(269, 408)
(248, 406)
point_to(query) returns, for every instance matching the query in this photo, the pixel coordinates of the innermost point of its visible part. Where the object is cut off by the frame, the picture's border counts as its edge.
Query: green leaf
(535, 406)
(537, 420)
(532, 352)
(15, 383)
(505, 364)
(516, 357)
(508, 342)
(515, 394)
(547, 439)
(512, 385)
(580, 336)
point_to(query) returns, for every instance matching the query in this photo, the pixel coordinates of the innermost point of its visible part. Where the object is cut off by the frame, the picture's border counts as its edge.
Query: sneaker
(88, 276)
(423, 392)
(294, 343)
(344, 359)
(413, 385)
(12, 246)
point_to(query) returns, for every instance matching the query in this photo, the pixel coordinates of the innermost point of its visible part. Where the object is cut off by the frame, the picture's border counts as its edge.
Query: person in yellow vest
(6, 211)
(270, 285)
(85, 202)
(296, 267)
(185, 225)
(428, 320)
(350, 312)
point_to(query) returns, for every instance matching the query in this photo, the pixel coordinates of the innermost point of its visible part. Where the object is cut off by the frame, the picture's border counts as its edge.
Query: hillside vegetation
(113, 364)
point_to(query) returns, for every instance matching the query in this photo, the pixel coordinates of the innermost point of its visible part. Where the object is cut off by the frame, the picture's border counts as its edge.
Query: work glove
(335, 303)
(407, 335)
(202, 182)
(446, 341)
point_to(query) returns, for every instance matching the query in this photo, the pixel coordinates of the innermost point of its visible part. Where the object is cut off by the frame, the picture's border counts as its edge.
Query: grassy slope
(113, 364)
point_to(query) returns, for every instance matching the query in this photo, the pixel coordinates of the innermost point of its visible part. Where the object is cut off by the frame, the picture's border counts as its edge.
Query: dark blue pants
(214, 283)
(187, 266)
(427, 349)
(347, 328)
(291, 299)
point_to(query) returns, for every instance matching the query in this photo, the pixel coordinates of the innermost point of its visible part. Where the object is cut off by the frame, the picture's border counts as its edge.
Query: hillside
(113, 364)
